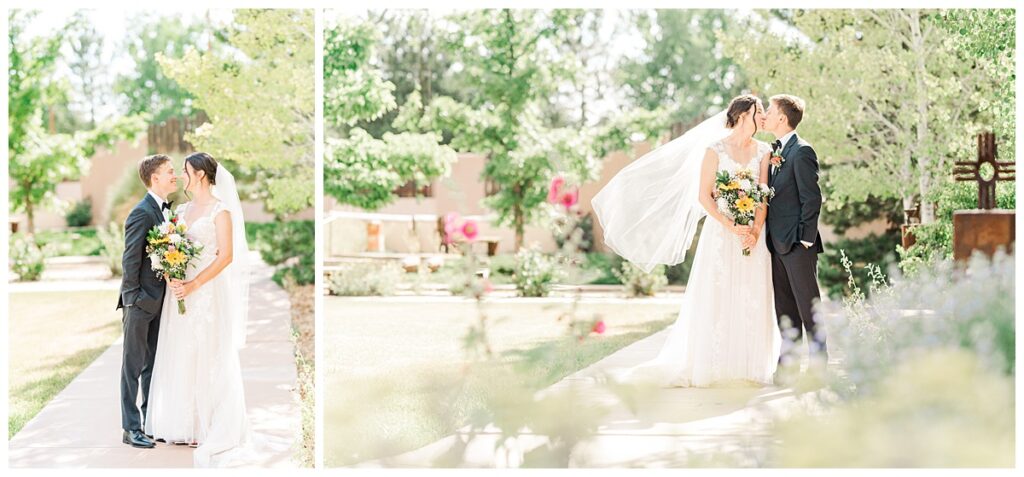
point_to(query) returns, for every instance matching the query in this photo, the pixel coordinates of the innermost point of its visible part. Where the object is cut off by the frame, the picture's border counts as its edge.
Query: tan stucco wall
(462, 192)
(106, 168)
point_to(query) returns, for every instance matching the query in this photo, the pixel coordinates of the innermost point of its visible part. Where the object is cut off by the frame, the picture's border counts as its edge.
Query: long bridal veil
(237, 272)
(649, 210)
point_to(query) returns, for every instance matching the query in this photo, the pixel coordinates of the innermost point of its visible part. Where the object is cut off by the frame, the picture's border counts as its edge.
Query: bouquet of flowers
(739, 196)
(170, 251)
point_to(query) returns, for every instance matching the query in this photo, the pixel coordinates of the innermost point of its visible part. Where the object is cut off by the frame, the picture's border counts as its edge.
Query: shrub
(288, 246)
(947, 305)
(365, 279)
(80, 214)
(535, 272)
(640, 283)
(112, 240)
(27, 258)
(602, 266)
(62, 243)
(876, 249)
(582, 233)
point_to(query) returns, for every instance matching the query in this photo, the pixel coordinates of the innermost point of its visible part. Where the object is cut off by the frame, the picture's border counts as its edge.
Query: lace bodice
(727, 163)
(204, 231)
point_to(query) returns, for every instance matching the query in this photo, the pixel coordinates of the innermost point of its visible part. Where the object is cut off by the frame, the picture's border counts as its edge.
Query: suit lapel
(786, 148)
(155, 208)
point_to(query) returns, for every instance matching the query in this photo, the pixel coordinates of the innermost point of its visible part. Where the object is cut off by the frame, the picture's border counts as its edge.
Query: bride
(196, 394)
(726, 331)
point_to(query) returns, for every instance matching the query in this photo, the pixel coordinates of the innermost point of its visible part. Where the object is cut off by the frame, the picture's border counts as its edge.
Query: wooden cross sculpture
(971, 171)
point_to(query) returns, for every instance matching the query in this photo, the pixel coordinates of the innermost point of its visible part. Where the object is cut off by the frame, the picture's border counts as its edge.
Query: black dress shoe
(156, 440)
(137, 438)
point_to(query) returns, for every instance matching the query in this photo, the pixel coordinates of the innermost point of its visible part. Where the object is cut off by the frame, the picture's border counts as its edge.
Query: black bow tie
(777, 145)
(166, 205)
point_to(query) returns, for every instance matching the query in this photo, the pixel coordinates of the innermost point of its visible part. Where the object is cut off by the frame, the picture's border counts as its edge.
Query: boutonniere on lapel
(777, 160)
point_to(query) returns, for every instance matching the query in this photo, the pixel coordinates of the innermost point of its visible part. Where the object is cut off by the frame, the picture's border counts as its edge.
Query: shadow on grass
(27, 400)
(372, 417)
(547, 362)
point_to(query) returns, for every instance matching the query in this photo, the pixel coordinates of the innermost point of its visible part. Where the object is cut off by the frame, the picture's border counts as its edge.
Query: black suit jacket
(793, 212)
(140, 285)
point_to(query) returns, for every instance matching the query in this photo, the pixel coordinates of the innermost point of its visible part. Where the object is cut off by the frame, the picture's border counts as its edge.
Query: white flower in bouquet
(174, 238)
(745, 184)
(155, 259)
(723, 204)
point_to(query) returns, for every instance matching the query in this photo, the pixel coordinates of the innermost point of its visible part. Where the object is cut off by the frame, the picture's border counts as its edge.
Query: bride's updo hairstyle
(201, 161)
(738, 106)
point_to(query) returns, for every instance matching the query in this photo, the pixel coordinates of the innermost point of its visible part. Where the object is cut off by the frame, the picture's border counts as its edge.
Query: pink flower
(599, 327)
(450, 227)
(570, 198)
(470, 230)
(555, 189)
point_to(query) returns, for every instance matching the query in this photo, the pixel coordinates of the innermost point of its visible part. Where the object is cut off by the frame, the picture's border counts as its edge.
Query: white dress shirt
(784, 140)
(159, 203)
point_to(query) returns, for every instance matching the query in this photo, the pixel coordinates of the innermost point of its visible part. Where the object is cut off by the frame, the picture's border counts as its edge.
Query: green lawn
(397, 379)
(53, 337)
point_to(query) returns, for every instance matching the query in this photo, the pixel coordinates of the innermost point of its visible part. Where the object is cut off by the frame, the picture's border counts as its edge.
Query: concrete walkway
(80, 427)
(660, 427)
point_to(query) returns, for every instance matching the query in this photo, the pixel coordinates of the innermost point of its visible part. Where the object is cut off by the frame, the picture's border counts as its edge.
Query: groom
(793, 237)
(142, 296)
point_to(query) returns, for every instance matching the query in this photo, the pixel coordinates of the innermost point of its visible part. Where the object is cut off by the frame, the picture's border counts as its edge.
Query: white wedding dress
(726, 332)
(196, 394)
(649, 212)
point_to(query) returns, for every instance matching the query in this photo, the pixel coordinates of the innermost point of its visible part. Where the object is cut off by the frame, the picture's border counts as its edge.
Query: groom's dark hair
(791, 106)
(149, 165)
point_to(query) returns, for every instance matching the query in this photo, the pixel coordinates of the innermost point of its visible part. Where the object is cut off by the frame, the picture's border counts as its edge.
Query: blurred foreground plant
(946, 305)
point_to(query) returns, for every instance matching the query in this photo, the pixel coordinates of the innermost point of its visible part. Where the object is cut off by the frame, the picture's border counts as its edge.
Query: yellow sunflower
(175, 258)
(745, 205)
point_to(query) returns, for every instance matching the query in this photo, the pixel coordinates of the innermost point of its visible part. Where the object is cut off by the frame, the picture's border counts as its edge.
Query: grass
(53, 337)
(397, 377)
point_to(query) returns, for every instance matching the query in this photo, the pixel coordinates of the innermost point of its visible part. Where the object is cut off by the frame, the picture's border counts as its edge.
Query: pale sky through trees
(112, 25)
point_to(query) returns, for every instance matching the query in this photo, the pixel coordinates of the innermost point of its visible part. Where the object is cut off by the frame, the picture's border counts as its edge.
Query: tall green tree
(41, 159)
(408, 53)
(90, 80)
(258, 95)
(508, 55)
(890, 103)
(360, 169)
(146, 88)
(682, 70)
